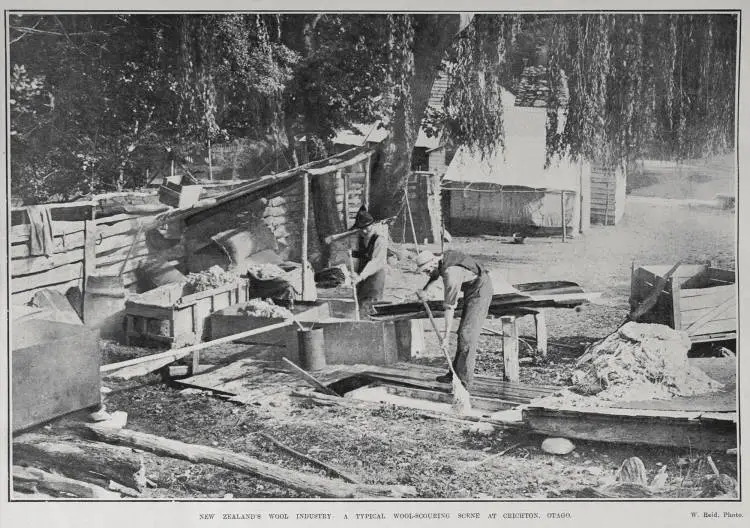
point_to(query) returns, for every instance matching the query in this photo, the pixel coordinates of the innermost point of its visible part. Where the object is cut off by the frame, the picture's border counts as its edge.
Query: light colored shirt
(379, 257)
(453, 278)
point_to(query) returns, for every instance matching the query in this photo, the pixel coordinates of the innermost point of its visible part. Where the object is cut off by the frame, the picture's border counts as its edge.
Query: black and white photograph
(364, 264)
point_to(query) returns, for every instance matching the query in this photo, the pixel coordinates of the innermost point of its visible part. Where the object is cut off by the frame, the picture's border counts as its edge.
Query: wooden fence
(79, 248)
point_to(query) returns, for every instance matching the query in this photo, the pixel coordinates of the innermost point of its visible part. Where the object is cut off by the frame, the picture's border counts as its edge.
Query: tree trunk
(78, 459)
(433, 34)
(32, 480)
(313, 485)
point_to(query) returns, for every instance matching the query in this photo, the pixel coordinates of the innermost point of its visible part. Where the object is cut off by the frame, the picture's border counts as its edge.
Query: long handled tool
(354, 288)
(461, 396)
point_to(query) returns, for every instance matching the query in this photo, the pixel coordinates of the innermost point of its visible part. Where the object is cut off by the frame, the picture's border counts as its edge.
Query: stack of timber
(698, 299)
(530, 297)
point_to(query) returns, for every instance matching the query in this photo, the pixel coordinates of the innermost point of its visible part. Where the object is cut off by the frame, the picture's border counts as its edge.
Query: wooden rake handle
(440, 338)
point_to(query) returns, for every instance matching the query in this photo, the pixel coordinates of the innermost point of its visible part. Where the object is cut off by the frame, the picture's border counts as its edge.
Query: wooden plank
(305, 229)
(58, 275)
(720, 336)
(32, 265)
(346, 198)
(59, 244)
(477, 402)
(22, 232)
(713, 313)
(722, 275)
(511, 370)
(309, 378)
(114, 268)
(123, 227)
(174, 355)
(114, 219)
(89, 257)
(673, 429)
(25, 296)
(695, 299)
(716, 326)
(119, 255)
(677, 323)
(114, 243)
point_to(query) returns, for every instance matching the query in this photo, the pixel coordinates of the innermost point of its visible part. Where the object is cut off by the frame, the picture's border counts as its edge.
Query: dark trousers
(477, 299)
(369, 291)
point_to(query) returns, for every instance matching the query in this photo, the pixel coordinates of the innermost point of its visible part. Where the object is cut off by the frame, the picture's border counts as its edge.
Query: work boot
(445, 378)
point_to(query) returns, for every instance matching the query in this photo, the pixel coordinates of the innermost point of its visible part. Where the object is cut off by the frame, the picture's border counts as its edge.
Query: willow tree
(646, 85)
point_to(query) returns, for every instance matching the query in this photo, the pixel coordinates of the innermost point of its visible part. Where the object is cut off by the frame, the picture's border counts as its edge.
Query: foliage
(646, 85)
(97, 98)
(125, 90)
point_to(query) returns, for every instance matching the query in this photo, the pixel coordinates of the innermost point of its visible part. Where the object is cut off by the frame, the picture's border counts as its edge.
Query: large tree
(89, 93)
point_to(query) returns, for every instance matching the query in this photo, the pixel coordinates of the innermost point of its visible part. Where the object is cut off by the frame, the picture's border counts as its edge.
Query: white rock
(481, 428)
(557, 446)
(117, 420)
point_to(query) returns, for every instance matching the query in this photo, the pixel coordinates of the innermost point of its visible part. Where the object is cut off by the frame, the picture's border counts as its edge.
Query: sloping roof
(439, 87)
(273, 184)
(359, 134)
(533, 89)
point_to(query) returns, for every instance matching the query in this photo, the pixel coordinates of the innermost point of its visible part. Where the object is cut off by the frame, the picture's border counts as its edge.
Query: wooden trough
(698, 299)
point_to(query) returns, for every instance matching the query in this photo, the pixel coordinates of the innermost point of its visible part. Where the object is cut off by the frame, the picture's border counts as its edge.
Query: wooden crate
(700, 300)
(173, 193)
(167, 315)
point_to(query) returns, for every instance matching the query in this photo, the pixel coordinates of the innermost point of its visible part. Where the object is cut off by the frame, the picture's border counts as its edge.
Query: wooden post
(346, 197)
(367, 183)
(510, 348)
(411, 218)
(606, 206)
(580, 193)
(541, 333)
(89, 258)
(305, 224)
(210, 164)
(562, 213)
(676, 314)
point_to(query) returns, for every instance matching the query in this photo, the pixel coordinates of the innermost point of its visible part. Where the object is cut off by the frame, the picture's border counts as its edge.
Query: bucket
(311, 349)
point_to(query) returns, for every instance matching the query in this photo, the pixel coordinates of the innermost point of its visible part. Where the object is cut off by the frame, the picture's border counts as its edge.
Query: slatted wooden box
(700, 300)
(169, 315)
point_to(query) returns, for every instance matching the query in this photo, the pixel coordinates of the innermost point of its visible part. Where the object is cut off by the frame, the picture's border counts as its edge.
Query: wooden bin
(55, 370)
(697, 299)
(166, 315)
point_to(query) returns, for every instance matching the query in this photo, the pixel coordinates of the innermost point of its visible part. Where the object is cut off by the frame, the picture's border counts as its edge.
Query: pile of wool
(640, 362)
(215, 277)
(265, 271)
(265, 308)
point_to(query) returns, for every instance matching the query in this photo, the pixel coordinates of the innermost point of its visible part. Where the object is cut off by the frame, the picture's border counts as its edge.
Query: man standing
(373, 257)
(460, 273)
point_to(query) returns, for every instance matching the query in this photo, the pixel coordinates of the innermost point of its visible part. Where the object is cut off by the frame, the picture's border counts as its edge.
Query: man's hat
(423, 259)
(363, 219)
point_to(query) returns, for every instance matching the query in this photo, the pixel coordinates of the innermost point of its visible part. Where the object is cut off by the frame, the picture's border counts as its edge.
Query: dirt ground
(446, 459)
